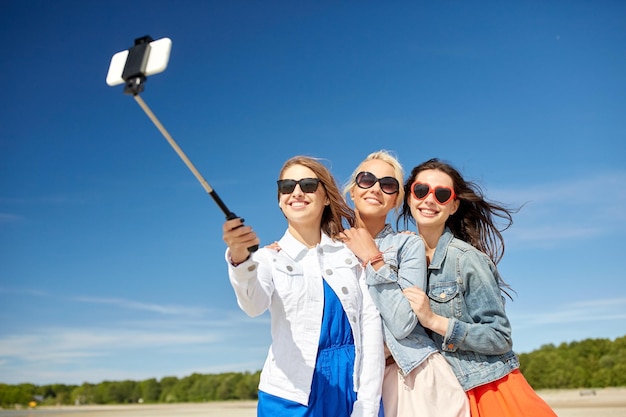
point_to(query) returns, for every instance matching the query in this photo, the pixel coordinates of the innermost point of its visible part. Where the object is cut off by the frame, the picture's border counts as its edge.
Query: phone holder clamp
(134, 73)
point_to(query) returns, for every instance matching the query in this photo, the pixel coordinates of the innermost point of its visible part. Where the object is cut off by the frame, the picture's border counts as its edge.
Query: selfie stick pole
(229, 214)
(134, 76)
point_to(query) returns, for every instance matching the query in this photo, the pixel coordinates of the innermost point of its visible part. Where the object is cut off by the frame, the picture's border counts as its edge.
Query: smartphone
(155, 61)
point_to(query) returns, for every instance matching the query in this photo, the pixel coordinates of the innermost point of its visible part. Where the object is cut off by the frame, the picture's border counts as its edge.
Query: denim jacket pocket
(447, 299)
(443, 292)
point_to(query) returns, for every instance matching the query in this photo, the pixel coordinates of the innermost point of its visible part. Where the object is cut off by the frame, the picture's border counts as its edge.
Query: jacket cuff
(455, 334)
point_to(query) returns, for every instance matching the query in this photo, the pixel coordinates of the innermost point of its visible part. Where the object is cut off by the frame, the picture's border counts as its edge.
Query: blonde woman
(418, 381)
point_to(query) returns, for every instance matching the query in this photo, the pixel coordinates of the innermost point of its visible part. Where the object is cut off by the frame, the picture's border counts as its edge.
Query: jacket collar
(296, 249)
(387, 230)
(442, 249)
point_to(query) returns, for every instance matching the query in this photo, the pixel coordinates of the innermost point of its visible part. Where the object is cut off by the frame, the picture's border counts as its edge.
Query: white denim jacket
(289, 283)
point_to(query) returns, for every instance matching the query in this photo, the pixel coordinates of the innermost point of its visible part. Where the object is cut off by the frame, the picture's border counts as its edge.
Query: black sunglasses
(443, 195)
(365, 180)
(307, 185)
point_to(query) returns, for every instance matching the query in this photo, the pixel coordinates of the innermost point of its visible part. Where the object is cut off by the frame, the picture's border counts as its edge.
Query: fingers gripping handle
(231, 216)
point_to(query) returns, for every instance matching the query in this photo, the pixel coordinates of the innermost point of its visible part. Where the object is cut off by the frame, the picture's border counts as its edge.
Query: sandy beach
(608, 402)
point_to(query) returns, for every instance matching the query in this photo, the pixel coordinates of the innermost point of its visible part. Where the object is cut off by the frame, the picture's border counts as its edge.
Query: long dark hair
(475, 219)
(337, 211)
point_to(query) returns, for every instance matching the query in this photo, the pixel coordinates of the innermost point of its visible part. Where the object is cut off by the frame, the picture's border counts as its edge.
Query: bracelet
(376, 258)
(238, 263)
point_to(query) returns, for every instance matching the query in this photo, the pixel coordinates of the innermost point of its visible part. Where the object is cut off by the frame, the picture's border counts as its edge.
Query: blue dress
(332, 389)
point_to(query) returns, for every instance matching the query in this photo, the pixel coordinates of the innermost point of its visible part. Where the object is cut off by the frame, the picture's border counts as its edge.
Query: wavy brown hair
(337, 211)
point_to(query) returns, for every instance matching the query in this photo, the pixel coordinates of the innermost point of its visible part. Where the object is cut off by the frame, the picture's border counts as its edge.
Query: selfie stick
(229, 214)
(134, 75)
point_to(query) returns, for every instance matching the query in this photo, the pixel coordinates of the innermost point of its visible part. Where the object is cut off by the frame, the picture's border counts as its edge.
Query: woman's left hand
(420, 303)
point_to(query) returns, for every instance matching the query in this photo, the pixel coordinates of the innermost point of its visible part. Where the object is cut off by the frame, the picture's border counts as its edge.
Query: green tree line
(193, 388)
(591, 363)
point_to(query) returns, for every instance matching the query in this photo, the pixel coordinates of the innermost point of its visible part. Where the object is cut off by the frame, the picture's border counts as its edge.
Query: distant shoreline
(603, 402)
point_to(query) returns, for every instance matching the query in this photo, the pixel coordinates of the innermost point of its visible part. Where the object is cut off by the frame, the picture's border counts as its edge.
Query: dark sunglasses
(307, 185)
(443, 195)
(365, 180)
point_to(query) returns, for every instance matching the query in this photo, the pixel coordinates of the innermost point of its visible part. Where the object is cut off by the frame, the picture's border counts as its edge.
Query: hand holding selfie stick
(145, 58)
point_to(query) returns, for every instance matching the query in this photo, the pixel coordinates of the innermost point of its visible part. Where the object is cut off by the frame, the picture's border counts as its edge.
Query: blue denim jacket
(463, 286)
(405, 266)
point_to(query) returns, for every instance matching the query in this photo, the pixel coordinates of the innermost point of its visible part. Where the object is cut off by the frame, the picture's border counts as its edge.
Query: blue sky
(111, 257)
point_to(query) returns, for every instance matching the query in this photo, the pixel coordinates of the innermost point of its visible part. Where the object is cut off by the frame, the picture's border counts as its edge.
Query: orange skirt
(509, 396)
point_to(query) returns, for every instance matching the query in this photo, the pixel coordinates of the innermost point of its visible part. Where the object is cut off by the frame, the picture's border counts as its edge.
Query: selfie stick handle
(229, 214)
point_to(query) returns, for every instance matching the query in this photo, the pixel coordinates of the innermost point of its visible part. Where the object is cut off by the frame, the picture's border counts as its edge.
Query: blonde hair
(338, 210)
(398, 173)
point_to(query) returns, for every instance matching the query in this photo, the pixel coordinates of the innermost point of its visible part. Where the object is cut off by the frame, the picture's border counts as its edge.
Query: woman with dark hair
(463, 305)
(326, 356)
